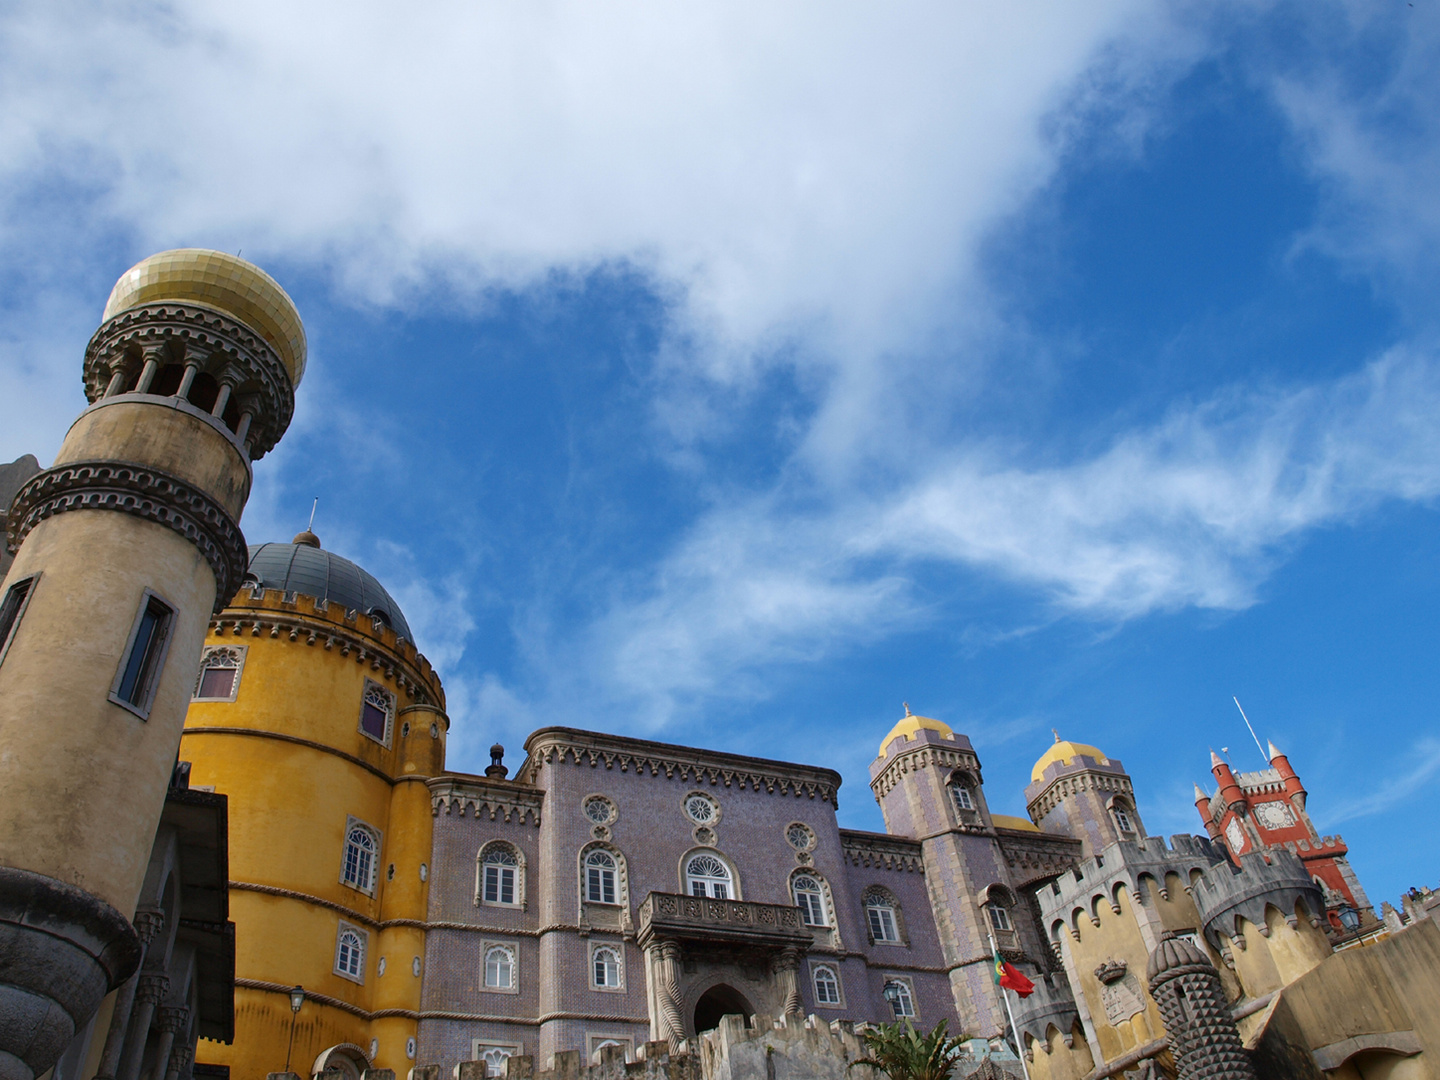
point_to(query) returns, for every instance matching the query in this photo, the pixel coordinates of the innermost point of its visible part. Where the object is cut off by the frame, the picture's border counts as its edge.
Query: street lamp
(297, 998)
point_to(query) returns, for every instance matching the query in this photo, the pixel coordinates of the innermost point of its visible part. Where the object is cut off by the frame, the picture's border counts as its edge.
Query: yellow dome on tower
(1064, 751)
(225, 282)
(909, 724)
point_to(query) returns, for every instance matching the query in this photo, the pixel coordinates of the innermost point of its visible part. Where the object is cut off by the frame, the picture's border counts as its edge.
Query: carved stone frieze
(888, 852)
(924, 756)
(493, 801)
(147, 493)
(221, 346)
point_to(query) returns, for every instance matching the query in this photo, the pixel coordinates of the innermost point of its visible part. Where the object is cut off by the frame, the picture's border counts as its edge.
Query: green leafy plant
(902, 1053)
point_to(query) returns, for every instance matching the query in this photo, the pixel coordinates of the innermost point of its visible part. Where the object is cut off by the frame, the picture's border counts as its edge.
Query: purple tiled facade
(683, 960)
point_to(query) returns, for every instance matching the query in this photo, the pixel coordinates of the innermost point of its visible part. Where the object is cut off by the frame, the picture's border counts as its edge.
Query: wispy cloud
(1391, 792)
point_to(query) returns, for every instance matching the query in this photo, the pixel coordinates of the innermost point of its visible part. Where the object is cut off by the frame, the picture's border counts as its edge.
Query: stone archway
(718, 1001)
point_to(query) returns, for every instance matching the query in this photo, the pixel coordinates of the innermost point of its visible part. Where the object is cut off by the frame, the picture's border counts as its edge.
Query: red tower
(1263, 810)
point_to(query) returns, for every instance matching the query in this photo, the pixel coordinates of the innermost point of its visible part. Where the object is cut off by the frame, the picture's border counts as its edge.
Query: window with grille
(499, 870)
(810, 899)
(219, 678)
(605, 962)
(362, 851)
(705, 875)
(350, 953)
(499, 968)
(881, 915)
(377, 709)
(600, 877)
(902, 1002)
(827, 986)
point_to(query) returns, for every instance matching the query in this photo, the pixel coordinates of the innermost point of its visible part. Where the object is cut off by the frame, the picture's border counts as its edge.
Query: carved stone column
(172, 1021)
(668, 1023)
(148, 922)
(786, 966)
(148, 995)
(179, 1061)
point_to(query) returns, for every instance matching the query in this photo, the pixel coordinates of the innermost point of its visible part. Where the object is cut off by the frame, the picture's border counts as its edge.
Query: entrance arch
(720, 1001)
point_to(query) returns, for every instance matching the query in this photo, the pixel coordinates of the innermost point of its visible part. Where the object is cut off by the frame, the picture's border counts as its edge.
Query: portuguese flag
(1008, 976)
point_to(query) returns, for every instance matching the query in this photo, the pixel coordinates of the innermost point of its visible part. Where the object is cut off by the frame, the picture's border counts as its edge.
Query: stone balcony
(677, 917)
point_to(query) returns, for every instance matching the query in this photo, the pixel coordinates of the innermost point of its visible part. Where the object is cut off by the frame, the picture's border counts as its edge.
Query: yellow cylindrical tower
(124, 549)
(318, 719)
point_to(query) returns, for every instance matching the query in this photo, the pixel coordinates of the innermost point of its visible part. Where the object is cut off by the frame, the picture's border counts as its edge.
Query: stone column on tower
(123, 550)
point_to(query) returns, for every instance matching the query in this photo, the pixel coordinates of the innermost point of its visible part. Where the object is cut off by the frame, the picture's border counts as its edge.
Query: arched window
(902, 1002)
(500, 875)
(219, 677)
(827, 986)
(362, 852)
(880, 914)
(350, 953)
(499, 968)
(960, 792)
(810, 899)
(600, 877)
(1122, 816)
(705, 875)
(377, 709)
(605, 967)
(999, 917)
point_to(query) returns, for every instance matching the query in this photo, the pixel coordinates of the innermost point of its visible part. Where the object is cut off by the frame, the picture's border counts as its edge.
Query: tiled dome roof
(307, 568)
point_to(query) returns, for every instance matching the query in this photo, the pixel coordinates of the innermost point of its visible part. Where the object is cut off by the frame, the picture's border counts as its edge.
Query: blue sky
(729, 374)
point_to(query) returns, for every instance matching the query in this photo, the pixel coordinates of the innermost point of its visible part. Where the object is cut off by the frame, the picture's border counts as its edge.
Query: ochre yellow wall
(289, 803)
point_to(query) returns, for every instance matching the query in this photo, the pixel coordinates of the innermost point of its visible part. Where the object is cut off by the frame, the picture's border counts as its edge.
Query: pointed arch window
(827, 986)
(882, 917)
(706, 875)
(350, 952)
(220, 668)
(501, 875)
(810, 899)
(362, 856)
(600, 877)
(377, 712)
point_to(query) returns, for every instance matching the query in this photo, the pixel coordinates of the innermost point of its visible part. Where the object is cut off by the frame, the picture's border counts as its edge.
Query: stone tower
(1075, 790)
(1203, 1037)
(1264, 811)
(123, 550)
(927, 781)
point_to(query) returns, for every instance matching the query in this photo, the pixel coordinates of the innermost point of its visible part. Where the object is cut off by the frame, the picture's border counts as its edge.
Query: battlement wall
(1129, 863)
(1263, 879)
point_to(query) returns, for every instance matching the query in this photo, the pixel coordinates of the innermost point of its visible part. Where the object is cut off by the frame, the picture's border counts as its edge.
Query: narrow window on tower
(377, 711)
(144, 656)
(13, 607)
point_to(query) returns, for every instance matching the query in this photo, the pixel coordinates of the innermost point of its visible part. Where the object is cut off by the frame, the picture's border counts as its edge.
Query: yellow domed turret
(225, 282)
(1064, 751)
(910, 724)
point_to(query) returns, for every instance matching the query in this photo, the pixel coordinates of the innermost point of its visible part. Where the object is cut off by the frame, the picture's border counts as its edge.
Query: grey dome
(1171, 953)
(305, 568)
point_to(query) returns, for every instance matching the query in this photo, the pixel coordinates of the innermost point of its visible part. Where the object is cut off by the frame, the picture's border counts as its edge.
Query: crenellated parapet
(294, 617)
(1050, 1008)
(1230, 894)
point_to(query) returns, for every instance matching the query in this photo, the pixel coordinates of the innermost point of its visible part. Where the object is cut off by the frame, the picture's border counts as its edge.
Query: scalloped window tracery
(705, 875)
(377, 711)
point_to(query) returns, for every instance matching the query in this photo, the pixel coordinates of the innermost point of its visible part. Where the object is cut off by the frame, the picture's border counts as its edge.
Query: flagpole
(1019, 1045)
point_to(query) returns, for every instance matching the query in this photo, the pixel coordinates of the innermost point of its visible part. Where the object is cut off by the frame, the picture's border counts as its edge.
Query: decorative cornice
(217, 343)
(923, 756)
(883, 852)
(147, 493)
(1075, 783)
(476, 797)
(1034, 857)
(595, 749)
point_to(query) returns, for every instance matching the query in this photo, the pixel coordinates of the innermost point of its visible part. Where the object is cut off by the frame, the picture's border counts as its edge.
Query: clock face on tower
(1235, 835)
(1274, 815)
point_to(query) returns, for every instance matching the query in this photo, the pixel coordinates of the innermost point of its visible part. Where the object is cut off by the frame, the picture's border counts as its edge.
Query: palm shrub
(902, 1053)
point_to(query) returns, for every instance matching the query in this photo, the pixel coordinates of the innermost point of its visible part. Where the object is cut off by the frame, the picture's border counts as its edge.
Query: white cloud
(1426, 757)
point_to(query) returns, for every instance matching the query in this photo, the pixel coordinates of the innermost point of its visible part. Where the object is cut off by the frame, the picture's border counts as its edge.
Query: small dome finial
(907, 708)
(496, 769)
(306, 537)
(1056, 734)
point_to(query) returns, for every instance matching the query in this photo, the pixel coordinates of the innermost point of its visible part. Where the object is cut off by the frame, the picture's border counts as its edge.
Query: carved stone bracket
(147, 493)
